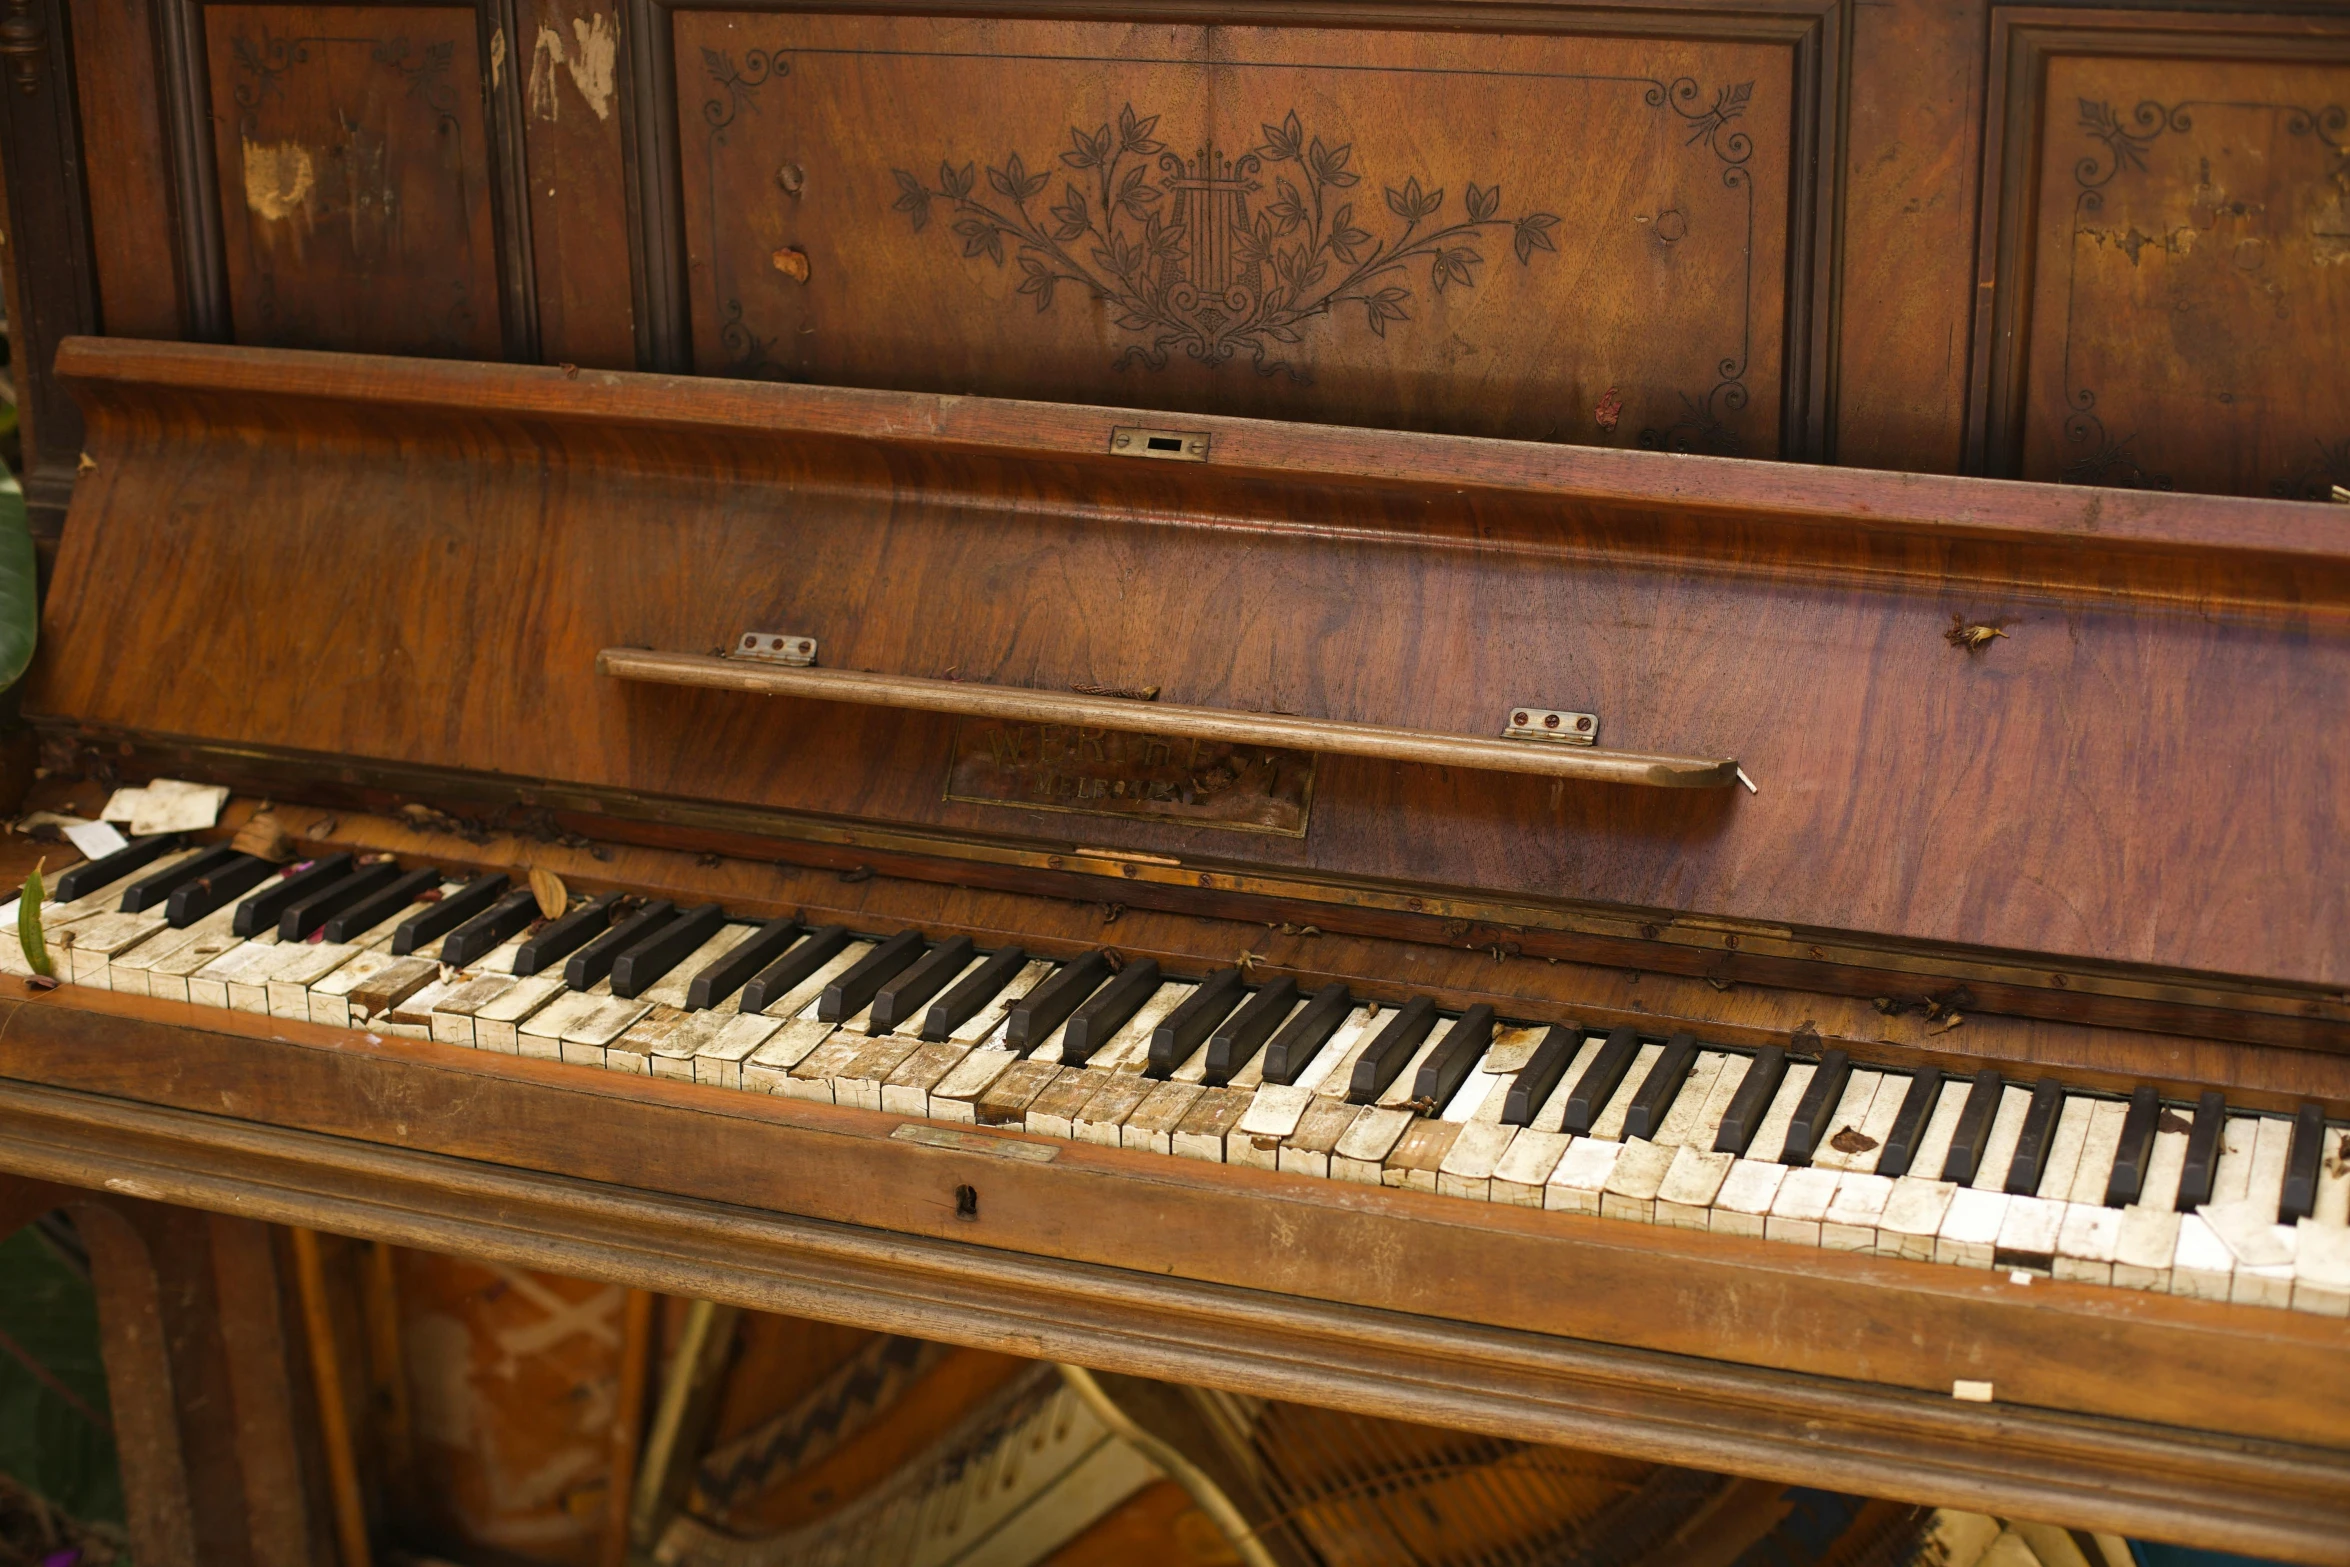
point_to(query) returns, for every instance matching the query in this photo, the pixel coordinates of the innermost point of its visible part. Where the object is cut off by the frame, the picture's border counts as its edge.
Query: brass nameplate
(1110, 772)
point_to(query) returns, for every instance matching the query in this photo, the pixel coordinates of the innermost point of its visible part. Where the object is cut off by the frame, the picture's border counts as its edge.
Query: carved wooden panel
(1563, 237)
(354, 178)
(569, 56)
(2170, 254)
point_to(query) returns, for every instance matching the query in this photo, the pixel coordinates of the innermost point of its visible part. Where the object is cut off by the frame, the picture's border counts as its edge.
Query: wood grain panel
(2127, 772)
(2172, 253)
(569, 57)
(131, 229)
(355, 178)
(1296, 223)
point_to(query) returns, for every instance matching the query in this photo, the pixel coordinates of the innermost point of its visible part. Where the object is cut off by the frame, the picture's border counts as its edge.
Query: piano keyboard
(2199, 1199)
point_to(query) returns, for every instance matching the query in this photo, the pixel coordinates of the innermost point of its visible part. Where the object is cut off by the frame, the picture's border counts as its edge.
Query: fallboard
(2087, 726)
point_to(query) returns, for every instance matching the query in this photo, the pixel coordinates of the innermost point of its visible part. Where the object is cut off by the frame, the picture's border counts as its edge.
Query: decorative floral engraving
(1172, 245)
(2104, 460)
(748, 355)
(2317, 479)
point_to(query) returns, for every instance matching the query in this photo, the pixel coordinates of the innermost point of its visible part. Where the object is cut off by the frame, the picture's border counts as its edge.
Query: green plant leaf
(20, 588)
(28, 922)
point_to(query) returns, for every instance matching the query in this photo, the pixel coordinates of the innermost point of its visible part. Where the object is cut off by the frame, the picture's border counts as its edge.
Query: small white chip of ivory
(2019, 1276)
(1971, 1392)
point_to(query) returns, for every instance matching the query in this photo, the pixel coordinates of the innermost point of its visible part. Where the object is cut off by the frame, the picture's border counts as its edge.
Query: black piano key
(779, 978)
(1601, 1079)
(1048, 1006)
(1388, 1053)
(193, 900)
(1302, 1038)
(855, 989)
(2202, 1163)
(1817, 1107)
(315, 909)
(961, 1004)
(2136, 1149)
(905, 995)
(141, 896)
(1107, 1010)
(262, 910)
(2302, 1162)
(1539, 1078)
(440, 918)
(592, 962)
(375, 907)
(479, 936)
(640, 966)
(1653, 1100)
(1456, 1055)
(1235, 1043)
(110, 868)
(1974, 1127)
(566, 934)
(2031, 1144)
(1181, 1031)
(1909, 1124)
(1752, 1102)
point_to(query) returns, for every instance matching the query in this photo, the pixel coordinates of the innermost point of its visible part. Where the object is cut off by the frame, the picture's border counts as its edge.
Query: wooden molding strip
(972, 699)
(2271, 1499)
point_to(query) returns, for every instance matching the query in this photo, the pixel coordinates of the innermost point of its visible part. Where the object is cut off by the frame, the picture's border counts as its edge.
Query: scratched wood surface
(2127, 771)
(572, 113)
(354, 178)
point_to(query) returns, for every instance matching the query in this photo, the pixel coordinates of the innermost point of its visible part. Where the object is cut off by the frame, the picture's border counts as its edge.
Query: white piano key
(1526, 1168)
(801, 998)
(2098, 1151)
(1151, 1128)
(2089, 1240)
(541, 1034)
(1884, 1110)
(128, 972)
(1582, 1172)
(2265, 1185)
(1684, 1198)
(1743, 1204)
(958, 1092)
(1129, 1050)
(2248, 1228)
(1552, 1117)
(2063, 1158)
(1688, 1109)
(1512, 1048)
(1399, 1092)
(1467, 1170)
(99, 940)
(1969, 1236)
(1334, 1063)
(1362, 1153)
(2333, 1180)
(2007, 1129)
(1609, 1124)
(1770, 1138)
(330, 998)
(410, 1017)
(2266, 1284)
(500, 958)
(861, 1083)
(497, 1024)
(1850, 1115)
(634, 1052)
(208, 986)
(1418, 1153)
(451, 1019)
(289, 985)
(1306, 1151)
(2027, 1234)
(723, 1058)
(670, 989)
(2164, 1166)
(1632, 1181)
(107, 899)
(1273, 1113)
(1801, 1204)
(990, 1018)
(1934, 1147)
(671, 1053)
(1914, 1211)
(1853, 1217)
(2233, 1178)
(1708, 1125)
(812, 1078)
(2149, 1241)
(2321, 1269)
(249, 991)
(2202, 1266)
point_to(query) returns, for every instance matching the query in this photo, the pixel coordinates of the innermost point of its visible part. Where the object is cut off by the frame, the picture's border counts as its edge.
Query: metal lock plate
(1546, 723)
(776, 647)
(1129, 440)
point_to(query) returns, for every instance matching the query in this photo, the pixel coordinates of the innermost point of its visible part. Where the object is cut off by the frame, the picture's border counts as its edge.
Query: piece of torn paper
(166, 805)
(96, 840)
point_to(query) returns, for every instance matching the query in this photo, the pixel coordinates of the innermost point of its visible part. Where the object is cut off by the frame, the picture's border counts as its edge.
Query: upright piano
(1250, 698)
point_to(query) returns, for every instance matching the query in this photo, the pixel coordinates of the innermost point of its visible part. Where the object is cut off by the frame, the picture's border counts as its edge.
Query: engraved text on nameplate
(1108, 772)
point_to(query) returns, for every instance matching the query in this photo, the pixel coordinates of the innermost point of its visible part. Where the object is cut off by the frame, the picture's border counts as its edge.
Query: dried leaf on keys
(548, 888)
(1973, 635)
(28, 923)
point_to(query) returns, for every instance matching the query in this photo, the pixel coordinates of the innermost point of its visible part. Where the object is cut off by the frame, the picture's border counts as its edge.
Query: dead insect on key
(1973, 635)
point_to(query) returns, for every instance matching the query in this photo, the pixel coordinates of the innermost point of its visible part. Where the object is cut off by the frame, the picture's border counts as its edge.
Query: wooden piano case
(353, 584)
